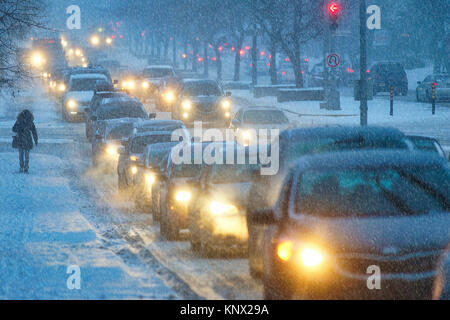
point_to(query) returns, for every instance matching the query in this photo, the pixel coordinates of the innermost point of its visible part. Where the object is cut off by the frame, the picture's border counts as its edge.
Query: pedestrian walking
(25, 133)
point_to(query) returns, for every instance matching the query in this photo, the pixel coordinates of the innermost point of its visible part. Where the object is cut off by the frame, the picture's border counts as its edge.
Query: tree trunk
(205, 60)
(273, 63)
(237, 59)
(194, 58)
(186, 54)
(174, 52)
(166, 49)
(218, 63)
(255, 60)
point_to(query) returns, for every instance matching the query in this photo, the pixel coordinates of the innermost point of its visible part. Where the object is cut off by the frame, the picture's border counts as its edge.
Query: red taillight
(368, 71)
(286, 59)
(350, 70)
(283, 73)
(435, 84)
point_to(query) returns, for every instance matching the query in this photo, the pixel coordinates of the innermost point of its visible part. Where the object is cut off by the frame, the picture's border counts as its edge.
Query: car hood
(80, 96)
(237, 193)
(382, 235)
(204, 100)
(280, 127)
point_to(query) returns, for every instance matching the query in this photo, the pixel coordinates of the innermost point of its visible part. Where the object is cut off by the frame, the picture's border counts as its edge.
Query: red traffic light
(334, 9)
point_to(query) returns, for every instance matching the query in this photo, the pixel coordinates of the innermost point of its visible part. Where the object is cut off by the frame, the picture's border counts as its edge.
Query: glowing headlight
(185, 115)
(227, 114)
(134, 170)
(183, 196)
(221, 208)
(285, 250)
(133, 158)
(311, 257)
(226, 104)
(62, 87)
(145, 85)
(169, 96)
(131, 84)
(111, 150)
(187, 105)
(150, 179)
(71, 104)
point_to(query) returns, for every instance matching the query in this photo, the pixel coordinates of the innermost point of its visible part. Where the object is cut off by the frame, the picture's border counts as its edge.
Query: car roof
(421, 137)
(339, 132)
(368, 159)
(261, 108)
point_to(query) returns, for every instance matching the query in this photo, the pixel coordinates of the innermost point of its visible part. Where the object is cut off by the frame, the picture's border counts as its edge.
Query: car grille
(407, 264)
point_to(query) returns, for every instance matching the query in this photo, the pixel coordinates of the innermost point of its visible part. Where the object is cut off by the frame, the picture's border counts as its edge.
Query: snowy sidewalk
(42, 233)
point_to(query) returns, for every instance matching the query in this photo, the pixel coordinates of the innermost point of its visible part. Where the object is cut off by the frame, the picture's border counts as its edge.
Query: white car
(251, 122)
(80, 92)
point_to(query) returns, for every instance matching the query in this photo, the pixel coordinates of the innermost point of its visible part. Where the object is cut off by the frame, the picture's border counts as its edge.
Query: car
(167, 94)
(423, 143)
(148, 178)
(425, 87)
(175, 195)
(116, 108)
(202, 100)
(294, 144)
(357, 224)
(80, 91)
(387, 74)
(131, 155)
(441, 285)
(248, 120)
(102, 94)
(110, 136)
(152, 75)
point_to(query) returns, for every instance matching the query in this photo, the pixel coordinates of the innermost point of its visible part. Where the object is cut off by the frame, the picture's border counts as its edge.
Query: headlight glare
(183, 196)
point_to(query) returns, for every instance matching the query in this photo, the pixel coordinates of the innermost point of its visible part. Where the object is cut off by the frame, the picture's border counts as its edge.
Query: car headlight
(169, 96)
(112, 150)
(62, 87)
(183, 196)
(124, 84)
(150, 179)
(219, 208)
(134, 170)
(134, 158)
(311, 257)
(285, 250)
(145, 85)
(226, 104)
(131, 84)
(187, 104)
(71, 104)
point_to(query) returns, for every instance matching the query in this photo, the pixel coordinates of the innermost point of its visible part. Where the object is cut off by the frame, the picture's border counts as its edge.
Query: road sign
(333, 60)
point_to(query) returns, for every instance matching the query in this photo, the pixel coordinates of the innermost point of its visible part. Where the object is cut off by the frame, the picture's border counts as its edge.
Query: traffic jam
(238, 193)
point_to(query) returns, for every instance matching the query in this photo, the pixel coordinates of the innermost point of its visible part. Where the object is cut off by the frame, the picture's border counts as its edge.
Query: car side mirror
(152, 115)
(228, 94)
(261, 216)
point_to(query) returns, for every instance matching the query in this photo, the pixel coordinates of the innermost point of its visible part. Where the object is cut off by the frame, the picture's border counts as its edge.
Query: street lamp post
(363, 63)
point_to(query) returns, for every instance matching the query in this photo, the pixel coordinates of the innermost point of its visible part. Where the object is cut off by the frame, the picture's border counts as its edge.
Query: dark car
(202, 100)
(167, 94)
(429, 144)
(148, 178)
(358, 224)
(387, 74)
(296, 143)
(175, 195)
(441, 82)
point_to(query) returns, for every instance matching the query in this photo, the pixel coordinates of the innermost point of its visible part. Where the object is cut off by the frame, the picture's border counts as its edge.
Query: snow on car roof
(88, 76)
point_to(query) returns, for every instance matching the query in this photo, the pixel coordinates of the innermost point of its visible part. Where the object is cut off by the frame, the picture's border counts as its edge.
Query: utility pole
(363, 63)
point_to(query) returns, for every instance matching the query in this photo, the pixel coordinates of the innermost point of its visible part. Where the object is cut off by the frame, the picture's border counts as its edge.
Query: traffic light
(334, 10)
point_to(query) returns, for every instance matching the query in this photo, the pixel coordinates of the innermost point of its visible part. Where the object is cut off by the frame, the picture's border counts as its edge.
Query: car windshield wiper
(425, 187)
(393, 198)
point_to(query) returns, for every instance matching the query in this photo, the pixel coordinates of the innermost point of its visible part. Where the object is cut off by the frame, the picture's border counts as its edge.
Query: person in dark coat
(25, 128)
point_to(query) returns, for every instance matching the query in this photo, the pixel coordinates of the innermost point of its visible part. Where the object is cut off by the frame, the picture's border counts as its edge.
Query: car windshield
(186, 170)
(373, 192)
(202, 89)
(156, 156)
(139, 143)
(232, 173)
(124, 110)
(158, 72)
(384, 69)
(265, 117)
(300, 148)
(85, 84)
(428, 145)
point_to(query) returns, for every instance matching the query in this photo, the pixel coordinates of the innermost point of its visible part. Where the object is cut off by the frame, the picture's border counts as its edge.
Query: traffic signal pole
(363, 63)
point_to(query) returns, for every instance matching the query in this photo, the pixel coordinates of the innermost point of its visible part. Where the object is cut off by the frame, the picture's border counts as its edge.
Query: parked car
(249, 120)
(427, 144)
(296, 143)
(202, 100)
(387, 74)
(442, 83)
(341, 216)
